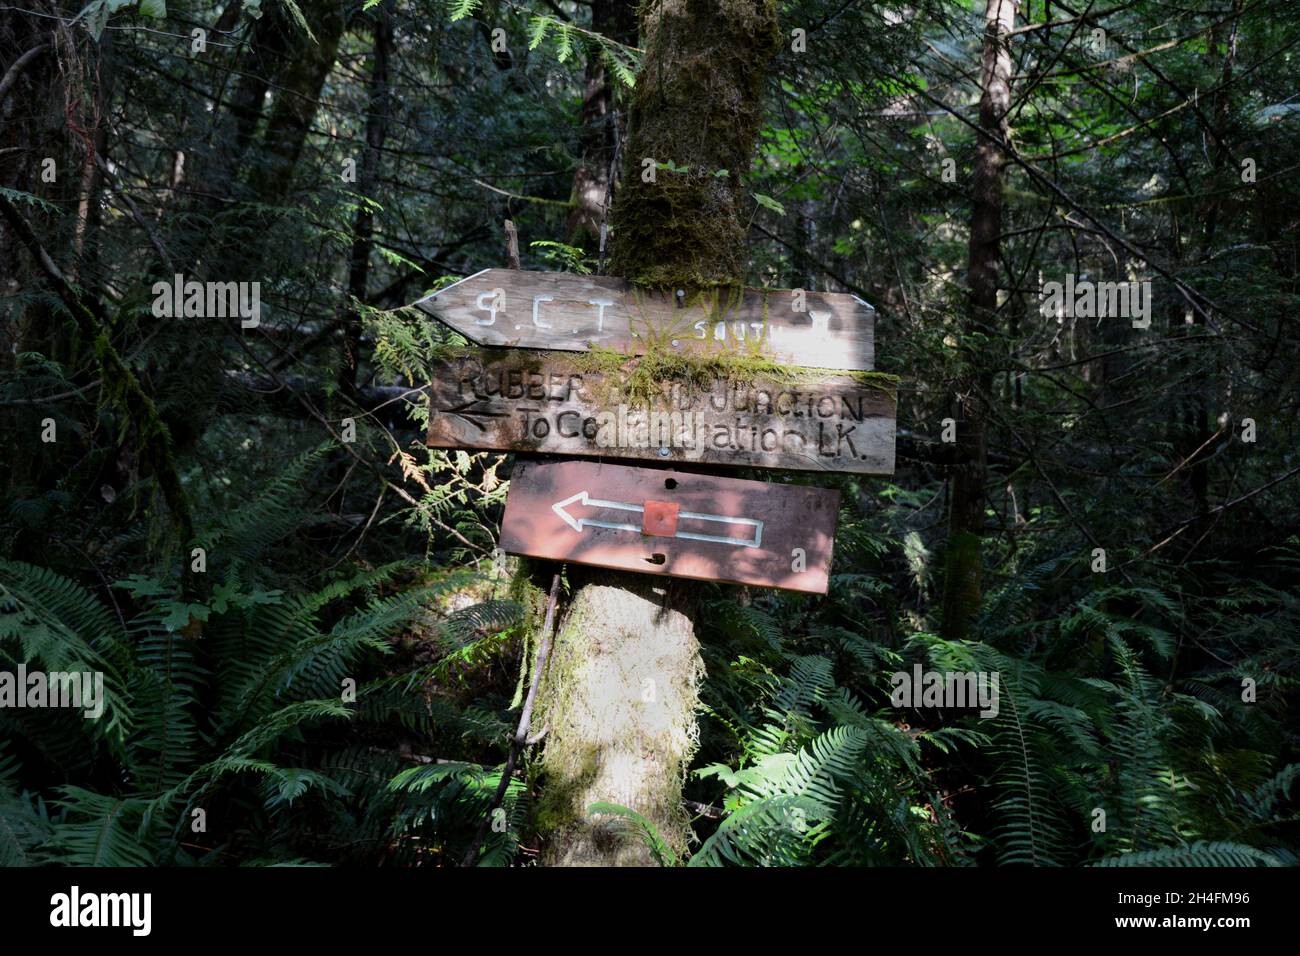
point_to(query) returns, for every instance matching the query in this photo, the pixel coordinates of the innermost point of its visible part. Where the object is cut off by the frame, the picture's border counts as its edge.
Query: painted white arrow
(578, 524)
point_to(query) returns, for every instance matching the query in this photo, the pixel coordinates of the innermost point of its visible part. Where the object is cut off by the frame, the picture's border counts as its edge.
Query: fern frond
(98, 830)
(811, 679)
(1200, 853)
(637, 825)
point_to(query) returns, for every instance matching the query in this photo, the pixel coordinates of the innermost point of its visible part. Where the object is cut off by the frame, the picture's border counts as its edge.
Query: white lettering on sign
(578, 313)
(737, 332)
(537, 304)
(490, 306)
(601, 305)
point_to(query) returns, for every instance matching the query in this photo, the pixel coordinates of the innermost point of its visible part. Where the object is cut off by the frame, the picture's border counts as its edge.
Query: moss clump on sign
(671, 355)
(644, 381)
(880, 381)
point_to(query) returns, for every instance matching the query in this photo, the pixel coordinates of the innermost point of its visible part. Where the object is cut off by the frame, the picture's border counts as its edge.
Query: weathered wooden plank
(515, 399)
(677, 524)
(551, 310)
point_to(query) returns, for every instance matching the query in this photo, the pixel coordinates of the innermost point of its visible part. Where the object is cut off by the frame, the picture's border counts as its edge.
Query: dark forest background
(353, 156)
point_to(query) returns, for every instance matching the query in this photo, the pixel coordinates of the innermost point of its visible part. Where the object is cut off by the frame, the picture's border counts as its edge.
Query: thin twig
(1182, 525)
(521, 738)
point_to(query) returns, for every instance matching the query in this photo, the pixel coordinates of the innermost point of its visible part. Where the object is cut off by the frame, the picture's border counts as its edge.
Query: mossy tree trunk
(963, 566)
(619, 710)
(697, 104)
(378, 105)
(620, 693)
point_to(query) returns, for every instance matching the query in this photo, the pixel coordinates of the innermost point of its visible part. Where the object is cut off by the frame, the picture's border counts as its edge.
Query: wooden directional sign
(673, 523)
(521, 400)
(549, 310)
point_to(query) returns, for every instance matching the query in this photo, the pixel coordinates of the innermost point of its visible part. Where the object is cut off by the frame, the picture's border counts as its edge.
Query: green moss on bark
(697, 105)
(618, 701)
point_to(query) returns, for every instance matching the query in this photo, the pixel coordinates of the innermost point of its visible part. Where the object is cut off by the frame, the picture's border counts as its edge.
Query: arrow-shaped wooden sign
(672, 523)
(553, 310)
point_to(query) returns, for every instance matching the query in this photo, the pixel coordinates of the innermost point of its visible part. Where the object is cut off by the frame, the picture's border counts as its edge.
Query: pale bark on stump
(621, 689)
(963, 586)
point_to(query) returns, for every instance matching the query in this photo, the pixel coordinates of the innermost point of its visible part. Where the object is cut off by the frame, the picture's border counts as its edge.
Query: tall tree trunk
(39, 78)
(42, 77)
(93, 135)
(963, 567)
(599, 128)
(226, 254)
(297, 97)
(377, 109)
(621, 690)
(697, 104)
(1196, 432)
(202, 181)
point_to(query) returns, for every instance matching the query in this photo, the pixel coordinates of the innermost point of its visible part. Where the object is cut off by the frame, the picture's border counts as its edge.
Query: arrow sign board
(521, 400)
(673, 523)
(551, 310)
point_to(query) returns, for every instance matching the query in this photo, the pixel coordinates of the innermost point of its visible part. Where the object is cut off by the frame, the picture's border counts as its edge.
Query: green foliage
(459, 9)
(1146, 712)
(1197, 854)
(641, 827)
(563, 258)
(239, 719)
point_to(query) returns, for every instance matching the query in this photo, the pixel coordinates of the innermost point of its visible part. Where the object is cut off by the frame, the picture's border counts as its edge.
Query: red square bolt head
(660, 519)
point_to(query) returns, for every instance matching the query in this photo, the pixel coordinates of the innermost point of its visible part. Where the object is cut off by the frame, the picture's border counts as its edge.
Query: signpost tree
(673, 362)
